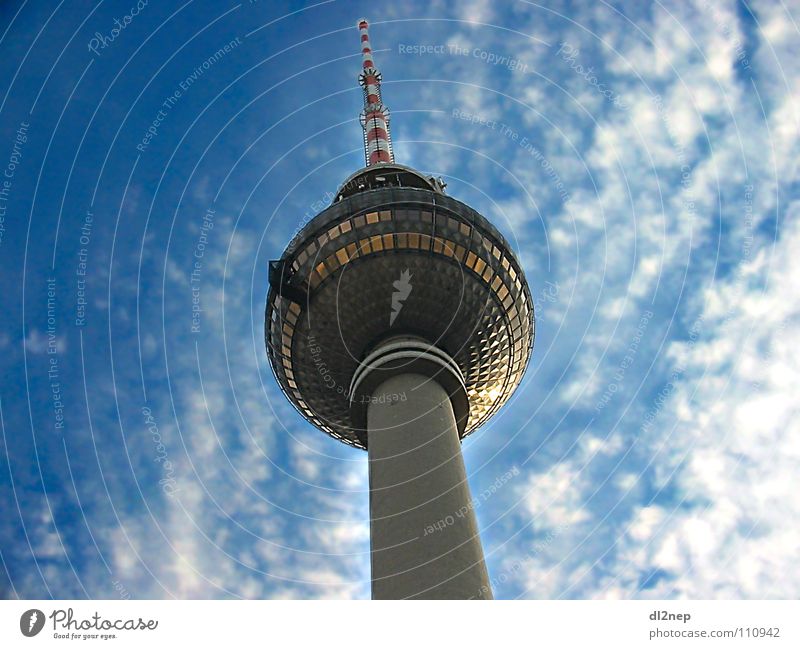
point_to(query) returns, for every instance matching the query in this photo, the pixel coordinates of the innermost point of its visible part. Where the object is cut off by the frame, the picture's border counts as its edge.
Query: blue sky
(642, 158)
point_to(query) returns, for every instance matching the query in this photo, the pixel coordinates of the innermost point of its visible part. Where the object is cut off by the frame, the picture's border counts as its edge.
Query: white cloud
(554, 498)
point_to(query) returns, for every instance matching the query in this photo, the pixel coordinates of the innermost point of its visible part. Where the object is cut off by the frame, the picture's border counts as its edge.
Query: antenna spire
(375, 116)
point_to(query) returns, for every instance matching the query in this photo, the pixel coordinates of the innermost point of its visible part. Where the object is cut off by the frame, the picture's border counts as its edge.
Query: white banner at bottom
(334, 624)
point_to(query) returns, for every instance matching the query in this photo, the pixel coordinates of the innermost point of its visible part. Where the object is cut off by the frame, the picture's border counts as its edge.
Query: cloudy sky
(642, 158)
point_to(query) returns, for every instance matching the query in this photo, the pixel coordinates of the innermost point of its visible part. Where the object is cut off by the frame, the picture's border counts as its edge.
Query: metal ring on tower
(407, 355)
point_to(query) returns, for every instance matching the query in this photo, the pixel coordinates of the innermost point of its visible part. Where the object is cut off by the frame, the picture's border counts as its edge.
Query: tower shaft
(375, 116)
(424, 535)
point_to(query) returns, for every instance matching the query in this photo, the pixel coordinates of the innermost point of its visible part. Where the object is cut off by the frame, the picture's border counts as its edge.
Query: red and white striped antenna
(375, 116)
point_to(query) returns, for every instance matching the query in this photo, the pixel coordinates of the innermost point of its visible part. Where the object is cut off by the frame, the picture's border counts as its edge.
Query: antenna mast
(375, 116)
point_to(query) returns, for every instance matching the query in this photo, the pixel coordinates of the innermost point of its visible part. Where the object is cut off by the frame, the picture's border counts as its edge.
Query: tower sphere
(396, 275)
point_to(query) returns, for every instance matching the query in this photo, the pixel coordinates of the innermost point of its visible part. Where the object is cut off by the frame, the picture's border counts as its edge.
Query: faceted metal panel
(331, 301)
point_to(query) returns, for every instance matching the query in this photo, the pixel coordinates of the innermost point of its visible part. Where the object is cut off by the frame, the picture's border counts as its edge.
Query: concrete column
(425, 542)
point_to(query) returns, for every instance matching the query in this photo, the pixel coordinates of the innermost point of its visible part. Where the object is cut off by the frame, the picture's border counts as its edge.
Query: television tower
(398, 321)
